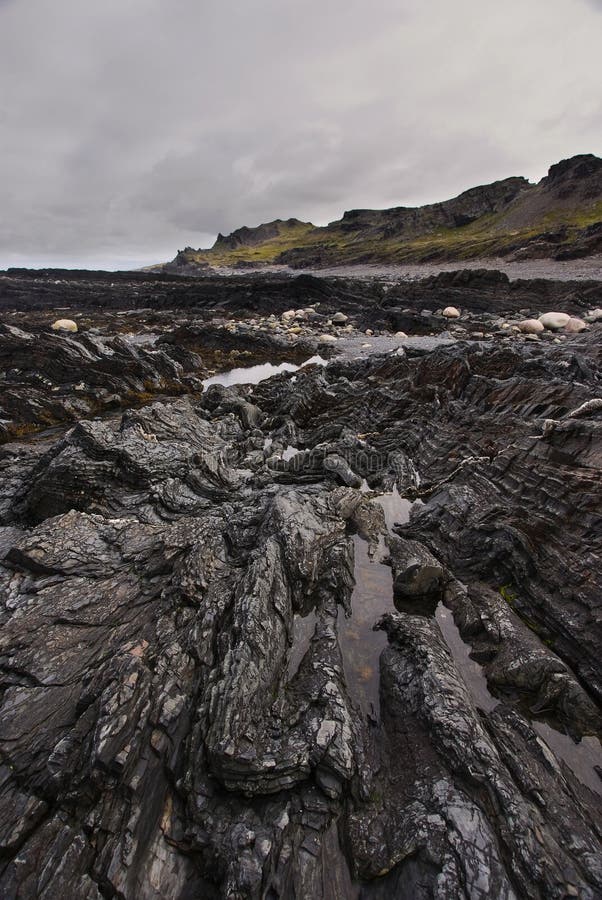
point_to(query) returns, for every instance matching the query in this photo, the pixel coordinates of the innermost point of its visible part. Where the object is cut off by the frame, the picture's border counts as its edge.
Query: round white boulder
(64, 325)
(531, 326)
(450, 312)
(554, 321)
(575, 325)
(339, 318)
(327, 339)
(400, 334)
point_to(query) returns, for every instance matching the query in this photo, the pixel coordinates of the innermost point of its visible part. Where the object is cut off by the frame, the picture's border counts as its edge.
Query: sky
(132, 128)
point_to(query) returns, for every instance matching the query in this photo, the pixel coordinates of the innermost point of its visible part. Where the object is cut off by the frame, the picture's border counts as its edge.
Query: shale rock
(41, 372)
(188, 593)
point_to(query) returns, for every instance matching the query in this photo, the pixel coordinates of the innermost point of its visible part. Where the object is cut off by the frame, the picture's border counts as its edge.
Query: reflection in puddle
(360, 645)
(249, 375)
(145, 337)
(372, 596)
(471, 672)
(255, 374)
(581, 758)
(361, 648)
(395, 508)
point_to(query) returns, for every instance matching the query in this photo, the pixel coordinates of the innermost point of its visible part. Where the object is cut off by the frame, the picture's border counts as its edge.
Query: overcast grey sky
(131, 128)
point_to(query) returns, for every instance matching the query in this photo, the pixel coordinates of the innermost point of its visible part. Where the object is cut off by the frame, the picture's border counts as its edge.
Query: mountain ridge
(559, 217)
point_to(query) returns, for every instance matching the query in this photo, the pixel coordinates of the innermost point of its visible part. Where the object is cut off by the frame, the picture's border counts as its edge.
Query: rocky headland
(559, 218)
(333, 633)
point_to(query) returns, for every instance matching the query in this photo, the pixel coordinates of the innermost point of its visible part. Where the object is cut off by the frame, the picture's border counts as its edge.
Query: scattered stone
(194, 700)
(327, 339)
(531, 326)
(339, 318)
(64, 325)
(575, 325)
(594, 315)
(554, 321)
(451, 312)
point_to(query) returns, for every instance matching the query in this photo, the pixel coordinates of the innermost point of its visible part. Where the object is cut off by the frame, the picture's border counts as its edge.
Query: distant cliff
(558, 218)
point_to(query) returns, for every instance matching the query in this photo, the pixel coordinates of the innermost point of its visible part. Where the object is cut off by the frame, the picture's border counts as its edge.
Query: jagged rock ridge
(158, 573)
(560, 218)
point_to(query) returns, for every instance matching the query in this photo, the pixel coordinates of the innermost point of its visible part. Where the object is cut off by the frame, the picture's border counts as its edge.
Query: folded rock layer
(179, 715)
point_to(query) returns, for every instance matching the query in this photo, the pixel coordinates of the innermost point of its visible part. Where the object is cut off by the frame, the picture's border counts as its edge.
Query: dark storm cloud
(128, 130)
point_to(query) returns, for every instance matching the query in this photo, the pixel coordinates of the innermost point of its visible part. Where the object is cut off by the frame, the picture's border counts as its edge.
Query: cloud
(128, 130)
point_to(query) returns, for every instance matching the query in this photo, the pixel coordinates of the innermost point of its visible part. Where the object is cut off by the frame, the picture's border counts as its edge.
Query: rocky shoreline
(332, 633)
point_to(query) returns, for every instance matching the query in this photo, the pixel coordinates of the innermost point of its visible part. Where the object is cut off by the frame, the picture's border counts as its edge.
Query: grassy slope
(267, 251)
(488, 236)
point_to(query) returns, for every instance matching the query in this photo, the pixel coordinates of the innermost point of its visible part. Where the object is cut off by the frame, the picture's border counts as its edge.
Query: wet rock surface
(202, 599)
(142, 335)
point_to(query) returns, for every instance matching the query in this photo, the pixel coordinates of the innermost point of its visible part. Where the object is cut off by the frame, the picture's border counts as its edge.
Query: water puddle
(372, 596)
(471, 671)
(255, 374)
(581, 758)
(285, 453)
(361, 648)
(395, 507)
(144, 338)
(360, 645)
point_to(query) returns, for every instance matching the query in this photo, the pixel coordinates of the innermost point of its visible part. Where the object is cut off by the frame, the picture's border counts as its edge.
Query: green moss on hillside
(488, 236)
